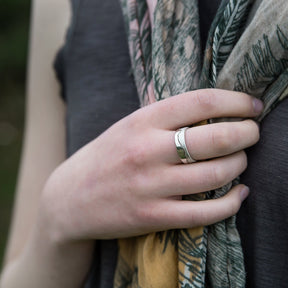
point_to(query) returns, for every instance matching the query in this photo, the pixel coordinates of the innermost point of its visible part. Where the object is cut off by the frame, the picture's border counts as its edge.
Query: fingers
(186, 214)
(200, 176)
(175, 214)
(214, 140)
(192, 107)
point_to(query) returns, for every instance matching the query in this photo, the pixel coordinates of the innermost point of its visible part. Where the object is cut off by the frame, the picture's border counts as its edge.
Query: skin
(106, 193)
(125, 178)
(110, 188)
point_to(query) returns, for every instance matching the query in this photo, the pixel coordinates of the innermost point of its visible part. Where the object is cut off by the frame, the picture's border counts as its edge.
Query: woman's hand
(130, 180)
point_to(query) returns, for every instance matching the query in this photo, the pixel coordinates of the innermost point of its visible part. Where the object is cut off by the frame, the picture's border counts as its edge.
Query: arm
(43, 151)
(43, 148)
(122, 181)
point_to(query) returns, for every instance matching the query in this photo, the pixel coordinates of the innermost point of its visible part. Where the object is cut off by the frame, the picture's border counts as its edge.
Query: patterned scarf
(247, 50)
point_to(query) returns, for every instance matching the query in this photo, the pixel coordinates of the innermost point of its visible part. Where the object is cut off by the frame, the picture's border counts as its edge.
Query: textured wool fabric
(247, 51)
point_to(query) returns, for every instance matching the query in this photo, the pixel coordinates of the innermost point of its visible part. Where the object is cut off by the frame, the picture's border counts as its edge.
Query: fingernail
(244, 193)
(257, 105)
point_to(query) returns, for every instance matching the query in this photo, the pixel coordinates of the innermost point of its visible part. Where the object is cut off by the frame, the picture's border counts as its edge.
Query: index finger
(192, 107)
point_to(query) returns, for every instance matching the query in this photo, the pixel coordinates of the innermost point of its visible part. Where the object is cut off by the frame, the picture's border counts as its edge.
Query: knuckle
(257, 132)
(205, 99)
(253, 129)
(244, 160)
(257, 135)
(135, 156)
(200, 217)
(183, 181)
(135, 121)
(145, 214)
(135, 171)
(137, 185)
(221, 139)
(246, 101)
(237, 166)
(217, 175)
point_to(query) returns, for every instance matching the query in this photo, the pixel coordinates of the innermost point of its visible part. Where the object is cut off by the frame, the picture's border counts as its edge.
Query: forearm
(46, 263)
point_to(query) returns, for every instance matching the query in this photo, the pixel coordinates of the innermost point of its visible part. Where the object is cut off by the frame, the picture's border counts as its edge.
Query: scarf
(246, 50)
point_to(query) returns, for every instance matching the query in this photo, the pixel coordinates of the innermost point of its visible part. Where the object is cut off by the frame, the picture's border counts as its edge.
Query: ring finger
(201, 176)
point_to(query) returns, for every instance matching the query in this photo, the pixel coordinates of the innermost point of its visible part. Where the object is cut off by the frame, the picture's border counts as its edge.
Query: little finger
(187, 214)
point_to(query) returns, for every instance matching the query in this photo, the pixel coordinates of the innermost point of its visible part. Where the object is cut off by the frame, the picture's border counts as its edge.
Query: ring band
(181, 147)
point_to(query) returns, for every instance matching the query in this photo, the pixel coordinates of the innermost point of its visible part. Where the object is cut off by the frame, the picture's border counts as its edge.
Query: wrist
(55, 217)
(58, 260)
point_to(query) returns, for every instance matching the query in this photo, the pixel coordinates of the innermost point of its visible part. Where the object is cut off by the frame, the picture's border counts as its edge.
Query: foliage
(14, 26)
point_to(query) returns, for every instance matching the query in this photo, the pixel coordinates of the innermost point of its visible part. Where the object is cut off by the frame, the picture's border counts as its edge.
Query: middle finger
(214, 140)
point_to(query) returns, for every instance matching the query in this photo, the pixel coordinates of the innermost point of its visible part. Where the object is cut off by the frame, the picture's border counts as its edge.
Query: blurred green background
(14, 31)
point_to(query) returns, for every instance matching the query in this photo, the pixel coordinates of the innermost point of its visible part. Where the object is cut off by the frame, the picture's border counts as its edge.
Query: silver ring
(181, 147)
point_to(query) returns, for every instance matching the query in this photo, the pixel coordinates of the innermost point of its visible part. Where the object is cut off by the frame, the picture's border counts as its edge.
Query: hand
(130, 181)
